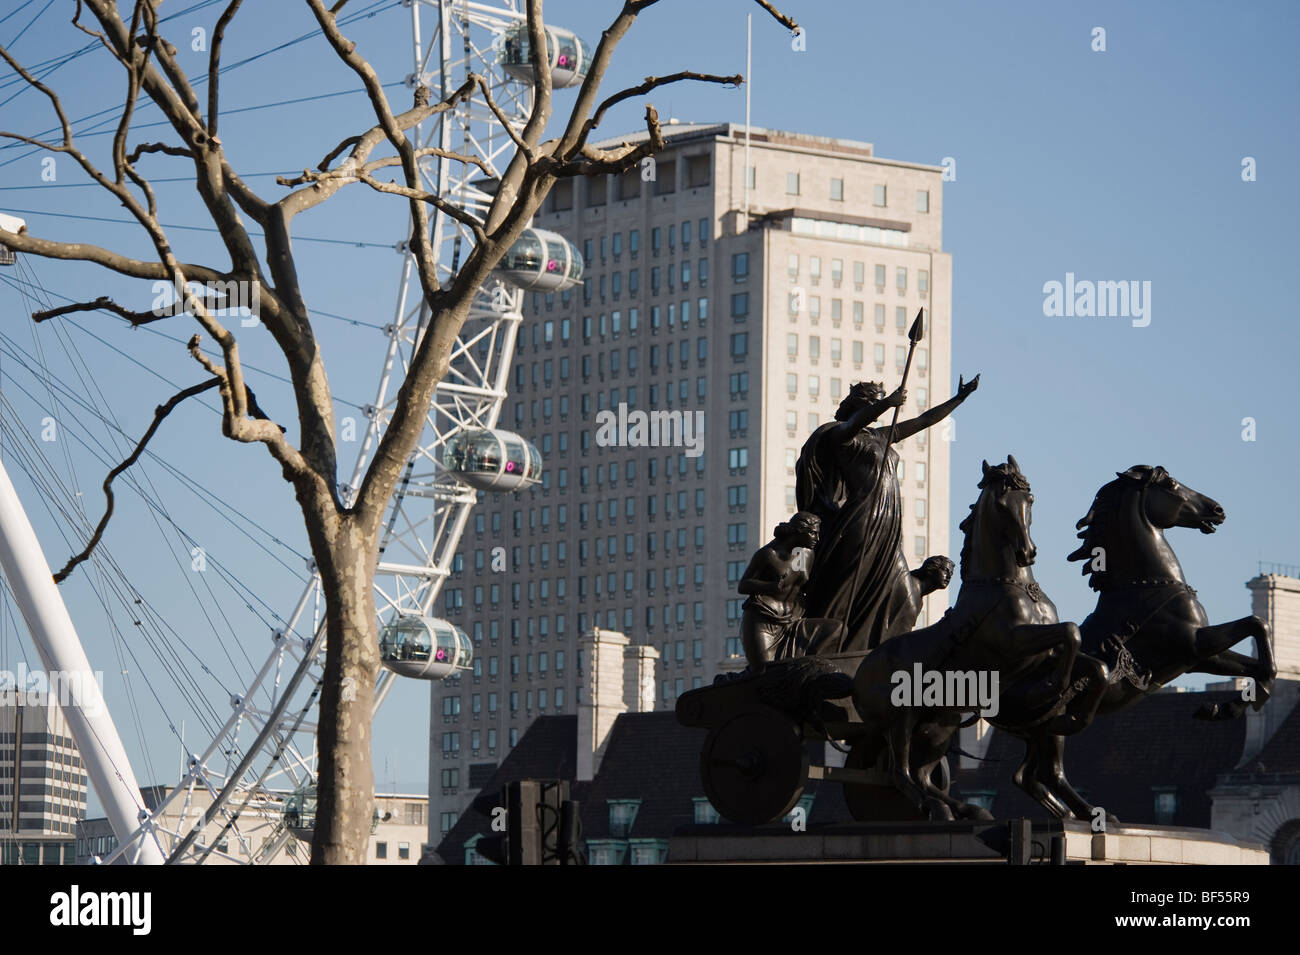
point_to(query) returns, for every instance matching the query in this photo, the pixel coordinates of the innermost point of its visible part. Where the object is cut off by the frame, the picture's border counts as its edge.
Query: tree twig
(161, 412)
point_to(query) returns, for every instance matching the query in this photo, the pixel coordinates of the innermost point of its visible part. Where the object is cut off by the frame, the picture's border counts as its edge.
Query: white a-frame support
(61, 654)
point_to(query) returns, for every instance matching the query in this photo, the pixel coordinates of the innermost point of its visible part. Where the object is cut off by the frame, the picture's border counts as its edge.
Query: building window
(878, 196)
(381, 850)
(666, 178)
(922, 200)
(404, 850)
(698, 173)
(1166, 804)
(792, 184)
(740, 266)
(648, 851)
(837, 190)
(606, 851)
(562, 196)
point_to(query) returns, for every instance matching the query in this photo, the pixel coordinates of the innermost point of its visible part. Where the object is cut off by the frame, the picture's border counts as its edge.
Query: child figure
(774, 583)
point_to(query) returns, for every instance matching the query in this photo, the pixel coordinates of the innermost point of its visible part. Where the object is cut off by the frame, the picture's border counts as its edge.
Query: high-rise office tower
(749, 295)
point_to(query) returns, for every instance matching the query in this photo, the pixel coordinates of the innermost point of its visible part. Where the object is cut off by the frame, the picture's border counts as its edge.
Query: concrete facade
(43, 785)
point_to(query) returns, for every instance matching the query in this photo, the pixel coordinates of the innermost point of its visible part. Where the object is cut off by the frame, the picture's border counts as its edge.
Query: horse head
(997, 529)
(1169, 503)
(1128, 517)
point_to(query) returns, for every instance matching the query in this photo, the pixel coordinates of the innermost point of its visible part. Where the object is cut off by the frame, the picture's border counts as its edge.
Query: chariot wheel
(754, 765)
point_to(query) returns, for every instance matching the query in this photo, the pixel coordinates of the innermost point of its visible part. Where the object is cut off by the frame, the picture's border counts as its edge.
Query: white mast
(80, 695)
(749, 85)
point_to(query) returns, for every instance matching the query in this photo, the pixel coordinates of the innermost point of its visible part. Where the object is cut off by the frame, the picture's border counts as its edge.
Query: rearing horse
(1148, 627)
(1001, 623)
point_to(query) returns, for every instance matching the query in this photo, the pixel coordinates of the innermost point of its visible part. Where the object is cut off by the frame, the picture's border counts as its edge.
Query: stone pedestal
(1022, 841)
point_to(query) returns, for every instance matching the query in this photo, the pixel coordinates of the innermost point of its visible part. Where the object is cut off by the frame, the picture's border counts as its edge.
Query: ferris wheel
(250, 791)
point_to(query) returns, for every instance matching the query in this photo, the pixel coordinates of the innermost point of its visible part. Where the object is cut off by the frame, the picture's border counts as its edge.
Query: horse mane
(1094, 525)
(1007, 476)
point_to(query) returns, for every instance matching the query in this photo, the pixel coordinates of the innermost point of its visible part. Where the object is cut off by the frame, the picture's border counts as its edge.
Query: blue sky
(1122, 165)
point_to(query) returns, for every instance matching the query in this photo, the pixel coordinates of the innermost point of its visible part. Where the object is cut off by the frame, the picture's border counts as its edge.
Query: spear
(914, 336)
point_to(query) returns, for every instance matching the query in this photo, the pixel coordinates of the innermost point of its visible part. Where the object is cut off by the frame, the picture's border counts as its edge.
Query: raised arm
(926, 419)
(868, 413)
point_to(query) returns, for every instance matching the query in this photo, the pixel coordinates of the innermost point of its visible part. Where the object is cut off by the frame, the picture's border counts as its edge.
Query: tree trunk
(345, 781)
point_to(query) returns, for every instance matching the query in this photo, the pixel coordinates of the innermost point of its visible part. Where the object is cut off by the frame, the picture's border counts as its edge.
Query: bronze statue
(774, 581)
(848, 475)
(1001, 623)
(1148, 627)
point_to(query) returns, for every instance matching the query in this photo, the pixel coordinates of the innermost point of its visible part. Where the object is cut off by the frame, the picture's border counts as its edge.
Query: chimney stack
(1275, 599)
(617, 678)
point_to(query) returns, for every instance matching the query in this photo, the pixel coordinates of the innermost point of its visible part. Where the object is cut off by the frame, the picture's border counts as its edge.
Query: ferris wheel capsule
(9, 224)
(569, 55)
(542, 260)
(299, 812)
(424, 648)
(493, 460)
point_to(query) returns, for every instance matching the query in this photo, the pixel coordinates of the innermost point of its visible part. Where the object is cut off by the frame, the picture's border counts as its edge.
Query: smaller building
(43, 785)
(397, 835)
(401, 829)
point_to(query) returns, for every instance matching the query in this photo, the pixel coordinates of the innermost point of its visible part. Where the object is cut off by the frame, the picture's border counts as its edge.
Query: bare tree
(344, 537)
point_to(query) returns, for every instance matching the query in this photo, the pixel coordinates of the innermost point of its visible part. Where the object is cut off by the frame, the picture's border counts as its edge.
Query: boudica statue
(826, 640)
(847, 475)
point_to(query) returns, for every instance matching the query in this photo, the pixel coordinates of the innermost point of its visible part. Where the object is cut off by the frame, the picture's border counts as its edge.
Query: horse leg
(1051, 774)
(1033, 638)
(1027, 778)
(899, 740)
(1090, 678)
(1213, 654)
(930, 745)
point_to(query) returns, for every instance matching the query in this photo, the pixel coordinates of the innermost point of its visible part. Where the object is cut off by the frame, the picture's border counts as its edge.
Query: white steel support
(79, 693)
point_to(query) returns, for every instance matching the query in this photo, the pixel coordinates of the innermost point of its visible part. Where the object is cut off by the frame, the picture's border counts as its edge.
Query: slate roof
(1281, 754)
(548, 750)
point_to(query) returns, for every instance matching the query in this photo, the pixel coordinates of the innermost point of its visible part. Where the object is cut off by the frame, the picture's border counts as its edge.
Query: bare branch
(777, 15)
(650, 83)
(420, 195)
(161, 412)
(592, 161)
(103, 303)
(234, 421)
(142, 148)
(49, 93)
(214, 62)
(81, 252)
(501, 116)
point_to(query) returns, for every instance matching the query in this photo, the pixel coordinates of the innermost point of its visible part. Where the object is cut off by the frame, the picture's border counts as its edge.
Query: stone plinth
(1061, 842)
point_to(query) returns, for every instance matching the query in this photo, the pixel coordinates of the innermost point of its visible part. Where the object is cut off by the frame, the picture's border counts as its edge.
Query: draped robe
(856, 567)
